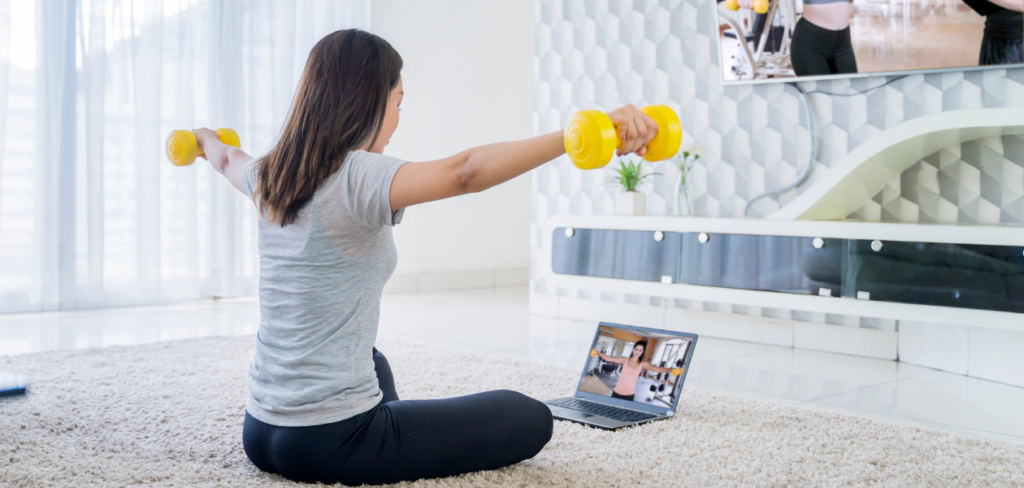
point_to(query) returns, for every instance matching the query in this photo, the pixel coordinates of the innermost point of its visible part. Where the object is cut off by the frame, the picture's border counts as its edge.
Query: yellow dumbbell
(593, 352)
(677, 371)
(591, 139)
(183, 148)
(760, 6)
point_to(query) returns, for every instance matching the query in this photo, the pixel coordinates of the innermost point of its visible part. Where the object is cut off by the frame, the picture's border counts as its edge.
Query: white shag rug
(170, 414)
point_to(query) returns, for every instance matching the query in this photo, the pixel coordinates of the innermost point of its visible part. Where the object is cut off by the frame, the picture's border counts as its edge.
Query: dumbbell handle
(182, 147)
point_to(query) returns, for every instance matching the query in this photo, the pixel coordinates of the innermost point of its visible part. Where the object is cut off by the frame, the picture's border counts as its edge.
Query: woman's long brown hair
(338, 107)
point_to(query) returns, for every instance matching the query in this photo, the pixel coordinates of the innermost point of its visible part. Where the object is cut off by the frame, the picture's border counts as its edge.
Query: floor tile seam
(918, 378)
(838, 409)
(557, 343)
(726, 357)
(932, 370)
(1003, 388)
(813, 400)
(446, 327)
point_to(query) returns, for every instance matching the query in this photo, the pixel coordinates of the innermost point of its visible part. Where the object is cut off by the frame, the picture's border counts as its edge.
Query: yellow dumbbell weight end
(670, 133)
(677, 371)
(183, 148)
(591, 139)
(229, 137)
(593, 352)
(733, 5)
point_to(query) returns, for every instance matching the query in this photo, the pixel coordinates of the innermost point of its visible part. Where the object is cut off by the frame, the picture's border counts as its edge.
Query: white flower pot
(630, 203)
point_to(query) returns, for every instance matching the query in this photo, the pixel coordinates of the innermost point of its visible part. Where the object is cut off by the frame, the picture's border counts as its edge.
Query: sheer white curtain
(91, 213)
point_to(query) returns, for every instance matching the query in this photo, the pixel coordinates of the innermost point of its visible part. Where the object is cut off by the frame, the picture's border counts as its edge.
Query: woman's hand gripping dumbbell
(592, 136)
(184, 146)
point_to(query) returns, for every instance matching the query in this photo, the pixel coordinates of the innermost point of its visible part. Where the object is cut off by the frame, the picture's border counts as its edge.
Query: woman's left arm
(656, 369)
(471, 171)
(482, 167)
(1015, 5)
(227, 160)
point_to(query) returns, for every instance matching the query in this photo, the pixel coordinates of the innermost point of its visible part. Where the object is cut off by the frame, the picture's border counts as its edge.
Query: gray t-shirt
(320, 283)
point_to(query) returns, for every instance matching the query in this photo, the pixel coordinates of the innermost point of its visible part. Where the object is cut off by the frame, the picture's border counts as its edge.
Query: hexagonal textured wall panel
(603, 54)
(979, 181)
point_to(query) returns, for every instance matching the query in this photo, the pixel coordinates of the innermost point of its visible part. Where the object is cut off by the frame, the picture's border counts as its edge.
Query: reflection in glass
(957, 275)
(953, 275)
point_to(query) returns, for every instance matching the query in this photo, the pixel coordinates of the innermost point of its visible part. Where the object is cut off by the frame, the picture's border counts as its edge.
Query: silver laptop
(632, 375)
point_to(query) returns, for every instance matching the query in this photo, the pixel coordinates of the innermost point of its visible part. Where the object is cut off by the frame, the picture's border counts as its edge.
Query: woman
(322, 403)
(631, 368)
(821, 39)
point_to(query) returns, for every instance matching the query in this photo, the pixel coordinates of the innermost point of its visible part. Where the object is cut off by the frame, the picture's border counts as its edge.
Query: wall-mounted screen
(795, 40)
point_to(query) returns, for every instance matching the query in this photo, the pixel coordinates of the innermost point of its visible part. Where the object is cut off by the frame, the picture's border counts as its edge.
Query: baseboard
(857, 341)
(940, 346)
(749, 328)
(457, 280)
(995, 355)
(620, 313)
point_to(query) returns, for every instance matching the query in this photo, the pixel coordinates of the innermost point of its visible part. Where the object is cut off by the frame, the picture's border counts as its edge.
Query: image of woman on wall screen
(821, 42)
(625, 388)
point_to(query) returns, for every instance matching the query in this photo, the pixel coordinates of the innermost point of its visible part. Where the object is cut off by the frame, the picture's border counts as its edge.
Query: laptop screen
(636, 364)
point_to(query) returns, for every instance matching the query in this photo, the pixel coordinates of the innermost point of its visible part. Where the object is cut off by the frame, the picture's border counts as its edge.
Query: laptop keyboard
(614, 413)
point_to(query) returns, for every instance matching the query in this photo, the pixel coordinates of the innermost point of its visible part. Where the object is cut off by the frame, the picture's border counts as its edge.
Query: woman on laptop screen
(625, 388)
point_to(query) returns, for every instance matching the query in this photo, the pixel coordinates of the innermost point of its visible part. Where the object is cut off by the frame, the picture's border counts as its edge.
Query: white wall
(468, 80)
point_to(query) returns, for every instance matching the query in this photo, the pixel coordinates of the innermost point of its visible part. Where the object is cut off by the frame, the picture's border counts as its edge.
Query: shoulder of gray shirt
(365, 179)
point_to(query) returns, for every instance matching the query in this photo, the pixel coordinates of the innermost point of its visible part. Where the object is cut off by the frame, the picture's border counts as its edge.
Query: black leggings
(404, 440)
(1000, 51)
(624, 397)
(816, 50)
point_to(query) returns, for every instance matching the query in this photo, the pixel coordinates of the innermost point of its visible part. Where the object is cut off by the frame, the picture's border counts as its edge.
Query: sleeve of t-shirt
(249, 177)
(368, 188)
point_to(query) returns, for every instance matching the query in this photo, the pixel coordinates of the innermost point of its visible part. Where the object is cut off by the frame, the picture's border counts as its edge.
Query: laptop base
(597, 421)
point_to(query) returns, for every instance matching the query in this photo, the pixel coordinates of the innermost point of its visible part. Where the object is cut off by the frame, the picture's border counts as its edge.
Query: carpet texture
(170, 414)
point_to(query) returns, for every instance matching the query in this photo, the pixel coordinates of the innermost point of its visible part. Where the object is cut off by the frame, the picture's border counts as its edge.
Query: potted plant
(630, 201)
(685, 162)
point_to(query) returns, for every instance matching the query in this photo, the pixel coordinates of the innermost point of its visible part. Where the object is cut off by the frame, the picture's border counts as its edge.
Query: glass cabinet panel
(623, 254)
(954, 275)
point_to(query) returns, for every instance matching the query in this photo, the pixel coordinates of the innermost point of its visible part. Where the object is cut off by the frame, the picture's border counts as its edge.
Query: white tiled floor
(497, 321)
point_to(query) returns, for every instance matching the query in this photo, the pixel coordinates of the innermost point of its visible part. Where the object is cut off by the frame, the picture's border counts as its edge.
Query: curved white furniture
(867, 169)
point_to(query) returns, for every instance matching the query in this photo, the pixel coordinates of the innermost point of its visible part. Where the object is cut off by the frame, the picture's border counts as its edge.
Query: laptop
(616, 392)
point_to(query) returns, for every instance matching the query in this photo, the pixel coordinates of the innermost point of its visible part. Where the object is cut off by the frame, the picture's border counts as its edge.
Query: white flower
(693, 150)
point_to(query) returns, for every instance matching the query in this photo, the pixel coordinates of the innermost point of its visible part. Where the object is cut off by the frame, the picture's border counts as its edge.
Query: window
(91, 212)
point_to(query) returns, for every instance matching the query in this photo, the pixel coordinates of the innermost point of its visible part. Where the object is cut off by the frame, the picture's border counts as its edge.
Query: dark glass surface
(623, 254)
(955, 275)
(952, 275)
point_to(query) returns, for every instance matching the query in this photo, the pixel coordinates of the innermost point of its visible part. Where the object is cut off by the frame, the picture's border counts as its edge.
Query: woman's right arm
(482, 167)
(226, 160)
